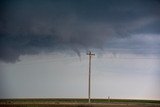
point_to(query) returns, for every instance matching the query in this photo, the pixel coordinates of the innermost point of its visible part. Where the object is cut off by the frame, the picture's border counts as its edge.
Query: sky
(43, 46)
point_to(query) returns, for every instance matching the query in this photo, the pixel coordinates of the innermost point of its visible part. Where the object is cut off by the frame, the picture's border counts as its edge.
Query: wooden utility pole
(89, 79)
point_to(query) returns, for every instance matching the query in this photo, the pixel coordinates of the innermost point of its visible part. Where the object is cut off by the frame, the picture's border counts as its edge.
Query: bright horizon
(67, 77)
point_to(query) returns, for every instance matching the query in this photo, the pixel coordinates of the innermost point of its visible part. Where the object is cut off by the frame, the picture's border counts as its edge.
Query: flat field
(67, 102)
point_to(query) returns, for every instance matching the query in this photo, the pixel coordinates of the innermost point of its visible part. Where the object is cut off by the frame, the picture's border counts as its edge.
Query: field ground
(65, 102)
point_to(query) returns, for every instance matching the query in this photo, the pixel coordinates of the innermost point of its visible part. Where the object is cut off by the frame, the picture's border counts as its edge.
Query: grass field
(66, 102)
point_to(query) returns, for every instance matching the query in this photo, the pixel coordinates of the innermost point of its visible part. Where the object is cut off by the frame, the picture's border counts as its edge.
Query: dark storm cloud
(34, 26)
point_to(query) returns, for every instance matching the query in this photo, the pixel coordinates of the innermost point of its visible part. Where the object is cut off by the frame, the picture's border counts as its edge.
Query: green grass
(69, 100)
(125, 101)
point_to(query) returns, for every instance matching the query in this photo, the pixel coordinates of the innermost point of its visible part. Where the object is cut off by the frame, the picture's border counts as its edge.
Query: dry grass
(77, 103)
(80, 105)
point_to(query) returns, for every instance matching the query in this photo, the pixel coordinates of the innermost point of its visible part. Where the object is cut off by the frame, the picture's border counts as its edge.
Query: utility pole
(89, 79)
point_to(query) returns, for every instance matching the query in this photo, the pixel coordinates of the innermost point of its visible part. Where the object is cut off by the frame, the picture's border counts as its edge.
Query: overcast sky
(43, 46)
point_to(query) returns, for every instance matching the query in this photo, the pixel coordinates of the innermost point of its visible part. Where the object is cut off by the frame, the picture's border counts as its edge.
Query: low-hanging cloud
(31, 27)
